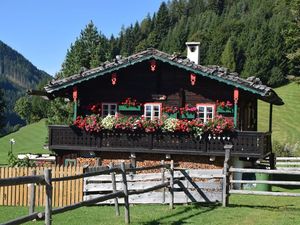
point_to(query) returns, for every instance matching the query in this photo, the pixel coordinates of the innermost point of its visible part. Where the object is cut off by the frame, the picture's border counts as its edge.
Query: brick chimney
(193, 51)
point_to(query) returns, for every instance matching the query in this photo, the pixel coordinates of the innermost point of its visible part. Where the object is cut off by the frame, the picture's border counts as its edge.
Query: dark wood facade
(171, 79)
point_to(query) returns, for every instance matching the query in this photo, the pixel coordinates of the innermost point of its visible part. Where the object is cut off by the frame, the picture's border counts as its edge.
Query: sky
(43, 30)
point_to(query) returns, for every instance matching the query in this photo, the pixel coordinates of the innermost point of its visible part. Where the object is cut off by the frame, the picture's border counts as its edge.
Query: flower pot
(172, 115)
(129, 108)
(224, 110)
(188, 116)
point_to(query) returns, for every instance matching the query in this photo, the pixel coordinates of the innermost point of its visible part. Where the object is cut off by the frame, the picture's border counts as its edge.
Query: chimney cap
(192, 43)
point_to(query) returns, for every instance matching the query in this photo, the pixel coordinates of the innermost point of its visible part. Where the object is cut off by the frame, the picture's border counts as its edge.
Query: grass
(243, 210)
(286, 118)
(29, 139)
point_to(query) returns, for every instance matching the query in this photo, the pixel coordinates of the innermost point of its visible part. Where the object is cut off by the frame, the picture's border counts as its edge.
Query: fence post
(48, 206)
(114, 187)
(225, 191)
(125, 189)
(163, 181)
(172, 185)
(32, 194)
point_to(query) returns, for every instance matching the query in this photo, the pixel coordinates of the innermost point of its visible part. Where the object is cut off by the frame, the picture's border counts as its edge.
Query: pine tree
(228, 55)
(2, 109)
(292, 38)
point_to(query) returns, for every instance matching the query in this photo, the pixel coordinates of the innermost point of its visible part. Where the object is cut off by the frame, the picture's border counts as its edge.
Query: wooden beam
(270, 117)
(48, 204)
(278, 171)
(125, 190)
(114, 187)
(21, 180)
(246, 192)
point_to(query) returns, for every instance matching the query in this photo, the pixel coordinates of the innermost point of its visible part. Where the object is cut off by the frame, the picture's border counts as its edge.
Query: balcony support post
(75, 110)
(270, 117)
(235, 98)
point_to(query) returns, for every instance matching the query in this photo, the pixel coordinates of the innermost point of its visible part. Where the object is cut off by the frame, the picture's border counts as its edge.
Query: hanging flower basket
(224, 110)
(224, 107)
(129, 108)
(130, 105)
(172, 115)
(188, 115)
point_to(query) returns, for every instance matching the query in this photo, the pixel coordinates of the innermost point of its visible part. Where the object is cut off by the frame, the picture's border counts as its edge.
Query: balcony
(245, 143)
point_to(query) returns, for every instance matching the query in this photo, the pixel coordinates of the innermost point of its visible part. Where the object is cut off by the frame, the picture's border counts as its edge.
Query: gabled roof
(221, 74)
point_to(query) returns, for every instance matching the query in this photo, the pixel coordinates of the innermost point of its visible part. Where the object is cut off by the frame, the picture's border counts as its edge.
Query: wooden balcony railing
(245, 143)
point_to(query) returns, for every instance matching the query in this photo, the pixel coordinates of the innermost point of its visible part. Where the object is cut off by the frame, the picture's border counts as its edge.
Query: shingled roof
(221, 74)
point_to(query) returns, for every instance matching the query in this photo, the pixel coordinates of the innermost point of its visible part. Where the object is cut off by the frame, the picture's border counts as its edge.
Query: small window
(206, 112)
(109, 109)
(152, 111)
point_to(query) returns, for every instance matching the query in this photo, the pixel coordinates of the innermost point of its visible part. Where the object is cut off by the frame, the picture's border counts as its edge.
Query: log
(162, 181)
(114, 187)
(89, 174)
(172, 185)
(48, 204)
(246, 192)
(240, 170)
(125, 190)
(135, 192)
(83, 203)
(22, 220)
(21, 180)
(148, 168)
(297, 183)
(32, 195)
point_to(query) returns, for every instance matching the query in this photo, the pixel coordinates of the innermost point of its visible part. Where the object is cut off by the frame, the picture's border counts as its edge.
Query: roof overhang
(215, 73)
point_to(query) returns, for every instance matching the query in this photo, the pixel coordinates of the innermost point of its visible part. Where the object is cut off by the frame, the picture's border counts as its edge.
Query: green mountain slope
(29, 139)
(17, 75)
(286, 118)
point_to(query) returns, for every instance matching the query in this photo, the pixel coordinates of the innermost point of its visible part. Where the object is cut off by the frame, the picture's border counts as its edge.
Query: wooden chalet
(158, 80)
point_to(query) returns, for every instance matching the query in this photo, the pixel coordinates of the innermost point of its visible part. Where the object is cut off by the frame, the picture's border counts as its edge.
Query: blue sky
(42, 30)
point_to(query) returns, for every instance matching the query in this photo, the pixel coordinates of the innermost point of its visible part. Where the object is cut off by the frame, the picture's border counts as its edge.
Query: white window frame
(109, 108)
(152, 105)
(205, 106)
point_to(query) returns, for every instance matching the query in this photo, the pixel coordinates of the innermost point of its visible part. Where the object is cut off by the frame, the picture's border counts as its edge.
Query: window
(152, 110)
(205, 112)
(109, 109)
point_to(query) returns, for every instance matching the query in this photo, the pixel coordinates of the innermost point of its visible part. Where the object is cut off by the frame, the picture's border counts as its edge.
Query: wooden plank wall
(64, 193)
(200, 185)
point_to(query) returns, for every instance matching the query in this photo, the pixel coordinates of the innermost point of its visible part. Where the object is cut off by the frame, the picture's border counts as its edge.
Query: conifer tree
(228, 56)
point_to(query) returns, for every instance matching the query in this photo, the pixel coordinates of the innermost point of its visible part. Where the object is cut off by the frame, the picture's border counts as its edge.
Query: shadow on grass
(184, 215)
(265, 207)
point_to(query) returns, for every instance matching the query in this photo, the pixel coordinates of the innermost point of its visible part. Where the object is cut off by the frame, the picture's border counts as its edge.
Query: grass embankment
(286, 118)
(243, 210)
(29, 139)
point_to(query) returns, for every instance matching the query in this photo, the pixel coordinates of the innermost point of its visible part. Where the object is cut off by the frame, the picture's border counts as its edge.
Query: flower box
(129, 108)
(172, 115)
(224, 110)
(188, 116)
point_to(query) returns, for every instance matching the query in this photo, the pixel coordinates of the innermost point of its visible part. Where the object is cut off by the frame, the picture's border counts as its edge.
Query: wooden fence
(194, 185)
(47, 180)
(229, 181)
(288, 163)
(64, 193)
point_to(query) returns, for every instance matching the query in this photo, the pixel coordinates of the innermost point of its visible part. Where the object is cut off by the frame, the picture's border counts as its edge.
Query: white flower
(169, 125)
(108, 122)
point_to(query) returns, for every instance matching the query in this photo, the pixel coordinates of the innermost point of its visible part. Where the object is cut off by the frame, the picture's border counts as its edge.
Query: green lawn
(286, 118)
(243, 210)
(29, 139)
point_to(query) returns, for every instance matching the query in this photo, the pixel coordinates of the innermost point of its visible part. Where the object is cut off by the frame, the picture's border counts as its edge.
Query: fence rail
(267, 181)
(47, 181)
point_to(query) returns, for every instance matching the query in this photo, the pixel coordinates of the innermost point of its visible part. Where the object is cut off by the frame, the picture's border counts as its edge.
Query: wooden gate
(194, 186)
